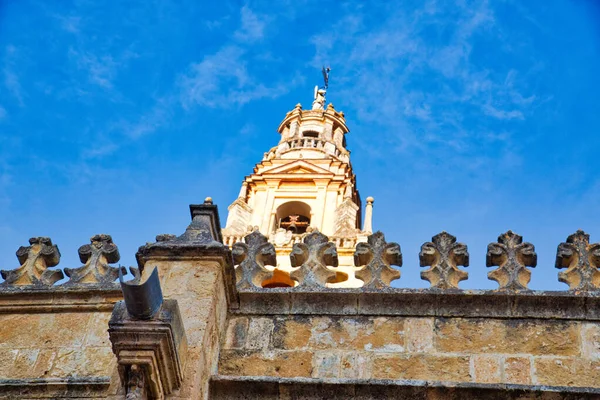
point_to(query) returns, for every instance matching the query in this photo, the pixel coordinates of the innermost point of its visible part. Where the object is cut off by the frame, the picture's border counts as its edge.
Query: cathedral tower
(305, 183)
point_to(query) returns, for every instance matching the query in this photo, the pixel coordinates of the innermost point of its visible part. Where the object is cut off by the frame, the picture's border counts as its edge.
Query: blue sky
(473, 117)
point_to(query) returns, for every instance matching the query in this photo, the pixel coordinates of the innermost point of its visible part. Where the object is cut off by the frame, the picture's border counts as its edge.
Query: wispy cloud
(252, 25)
(148, 123)
(502, 114)
(415, 70)
(101, 70)
(11, 78)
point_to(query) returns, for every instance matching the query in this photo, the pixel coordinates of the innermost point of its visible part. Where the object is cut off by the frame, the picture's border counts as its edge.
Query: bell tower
(305, 183)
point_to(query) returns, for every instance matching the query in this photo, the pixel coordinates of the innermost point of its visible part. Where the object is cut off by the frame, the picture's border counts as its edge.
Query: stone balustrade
(314, 262)
(308, 143)
(341, 242)
(41, 254)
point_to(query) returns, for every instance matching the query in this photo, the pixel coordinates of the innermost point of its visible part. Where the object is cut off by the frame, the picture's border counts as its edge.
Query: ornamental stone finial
(368, 223)
(377, 256)
(512, 256)
(582, 261)
(96, 256)
(35, 260)
(444, 255)
(313, 256)
(251, 258)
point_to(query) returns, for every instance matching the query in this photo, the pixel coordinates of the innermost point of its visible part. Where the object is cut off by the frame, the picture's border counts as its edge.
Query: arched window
(293, 216)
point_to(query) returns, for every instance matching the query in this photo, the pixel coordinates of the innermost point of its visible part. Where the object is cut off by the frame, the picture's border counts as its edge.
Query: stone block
(343, 333)
(97, 333)
(566, 371)
(195, 315)
(419, 335)
(517, 370)
(355, 365)
(273, 301)
(237, 331)
(24, 363)
(51, 330)
(187, 278)
(291, 333)
(326, 364)
(421, 367)
(326, 302)
(78, 362)
(7, 360)
(44, 363)
(259, 333)
(486, 368)
(274, 363)
(590, 336)
(507, 336)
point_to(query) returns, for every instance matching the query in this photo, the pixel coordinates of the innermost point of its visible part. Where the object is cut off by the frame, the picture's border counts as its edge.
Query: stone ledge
(262, 387)
(421, 303)
(59, 299)
(54, 388)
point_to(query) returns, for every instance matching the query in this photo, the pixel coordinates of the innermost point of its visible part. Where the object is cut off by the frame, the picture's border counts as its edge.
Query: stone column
(368, 224)
(196, 269)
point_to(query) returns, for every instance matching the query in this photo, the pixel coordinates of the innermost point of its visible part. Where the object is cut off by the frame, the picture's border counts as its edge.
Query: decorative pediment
(298, 167)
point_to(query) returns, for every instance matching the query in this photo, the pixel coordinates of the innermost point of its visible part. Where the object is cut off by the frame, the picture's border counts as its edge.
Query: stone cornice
(59, 299)
(74, 387)
(266, 387)
(421, 303)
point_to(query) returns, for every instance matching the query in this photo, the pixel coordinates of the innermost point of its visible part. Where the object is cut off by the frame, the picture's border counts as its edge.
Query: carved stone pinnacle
(443, 255)
(377, 256)
(312, 257)
(96, 257)
(582, 261)
(251, 258)
(512, 256)
(35, 260)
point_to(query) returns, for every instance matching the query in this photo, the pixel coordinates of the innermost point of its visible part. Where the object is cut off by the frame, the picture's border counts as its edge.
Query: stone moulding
(421, 302)
(35, 260)
(443, 255)
(377, 256)
(251, 258)
(156, 347)
(512, 256)
(266, 387)
(59, 299)
(202, 238)
(96, 257)
(582, 261)
(74, 387)
(312, 257)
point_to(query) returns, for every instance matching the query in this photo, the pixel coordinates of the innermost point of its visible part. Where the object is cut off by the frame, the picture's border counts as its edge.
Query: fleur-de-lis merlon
(512, 256)
(313, 256)
(377, 256)
(35, 260)
(96, 257)
(251, 258)
(444, 256)
(582, 261)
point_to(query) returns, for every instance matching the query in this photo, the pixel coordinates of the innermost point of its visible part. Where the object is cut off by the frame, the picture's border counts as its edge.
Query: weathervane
(319, 99)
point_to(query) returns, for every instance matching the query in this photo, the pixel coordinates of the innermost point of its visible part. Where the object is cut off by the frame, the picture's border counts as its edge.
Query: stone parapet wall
(545, 339)
(54, 342)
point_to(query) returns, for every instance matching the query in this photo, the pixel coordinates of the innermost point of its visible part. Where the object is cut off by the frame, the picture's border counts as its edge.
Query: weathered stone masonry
(293, 300)
(255, 342)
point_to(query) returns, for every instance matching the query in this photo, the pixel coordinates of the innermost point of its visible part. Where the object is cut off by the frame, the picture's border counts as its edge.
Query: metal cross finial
(326, 76)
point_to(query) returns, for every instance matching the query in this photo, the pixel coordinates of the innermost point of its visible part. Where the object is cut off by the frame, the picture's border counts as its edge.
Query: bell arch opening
(294, 216)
